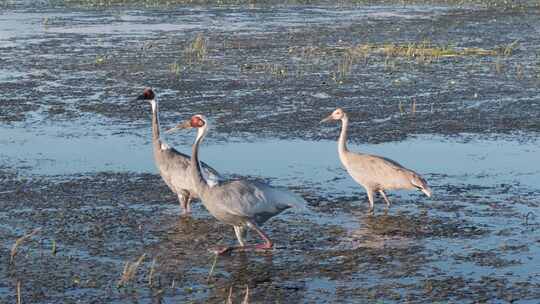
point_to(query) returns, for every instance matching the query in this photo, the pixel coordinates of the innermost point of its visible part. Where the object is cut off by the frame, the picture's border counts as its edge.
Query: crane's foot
(264, 246)
(221, 250)
(257, 247)
(185, 203)
(385, 198)
(185, 213)
(186, 209)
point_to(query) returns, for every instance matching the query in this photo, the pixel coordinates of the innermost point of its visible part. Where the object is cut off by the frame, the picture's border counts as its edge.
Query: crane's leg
(240, 232)
(385, 198)
(185, 202)
(370, 198)
(268, 244)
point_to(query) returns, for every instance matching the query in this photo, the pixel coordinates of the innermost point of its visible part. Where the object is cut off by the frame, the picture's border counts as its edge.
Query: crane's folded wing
(250, 199)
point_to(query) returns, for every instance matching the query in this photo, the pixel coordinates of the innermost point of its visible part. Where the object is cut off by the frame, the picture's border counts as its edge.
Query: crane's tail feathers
(297, 201)
(287, 198)
(427, 191)
(422, 185)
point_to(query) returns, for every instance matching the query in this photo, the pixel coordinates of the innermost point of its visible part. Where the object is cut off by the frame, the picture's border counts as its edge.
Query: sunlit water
(55, 151)
(19, 25)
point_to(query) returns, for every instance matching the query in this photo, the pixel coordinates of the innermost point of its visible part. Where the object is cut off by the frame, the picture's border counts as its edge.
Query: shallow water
(477, 159)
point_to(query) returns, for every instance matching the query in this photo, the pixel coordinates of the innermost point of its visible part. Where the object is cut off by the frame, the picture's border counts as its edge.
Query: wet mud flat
(275, 71)
(482, 248)
(414, 79)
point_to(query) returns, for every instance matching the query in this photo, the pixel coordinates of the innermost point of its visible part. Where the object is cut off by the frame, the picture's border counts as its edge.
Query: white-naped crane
(239, 203)
(174, 166)
(374, 173)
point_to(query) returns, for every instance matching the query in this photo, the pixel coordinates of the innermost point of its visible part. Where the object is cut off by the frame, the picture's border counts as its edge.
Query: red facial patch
(148, 93)
(197, 122)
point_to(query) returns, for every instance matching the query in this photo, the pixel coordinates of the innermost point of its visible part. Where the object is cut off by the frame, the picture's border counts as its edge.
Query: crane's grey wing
(281, 196)
(387, 162)
(417, 179)
(379, 171)
(408, 175)
(257, 200)
(372, 163)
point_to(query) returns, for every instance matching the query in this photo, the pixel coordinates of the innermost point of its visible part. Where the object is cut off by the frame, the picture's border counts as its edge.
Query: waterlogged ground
(76, 164)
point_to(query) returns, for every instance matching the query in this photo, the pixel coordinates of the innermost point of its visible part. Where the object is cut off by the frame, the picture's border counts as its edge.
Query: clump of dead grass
(19, 242)
(197, 50)
(129, 272)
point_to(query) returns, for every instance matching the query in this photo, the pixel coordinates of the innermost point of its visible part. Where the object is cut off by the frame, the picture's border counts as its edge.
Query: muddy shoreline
(98, 222)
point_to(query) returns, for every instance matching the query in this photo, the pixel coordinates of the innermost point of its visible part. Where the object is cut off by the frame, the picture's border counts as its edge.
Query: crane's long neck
(155, 121)
(342, 142)
(198, 179)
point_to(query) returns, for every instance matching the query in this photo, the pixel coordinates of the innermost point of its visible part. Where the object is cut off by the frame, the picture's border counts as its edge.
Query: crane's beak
(328, 118)
(184, 125)
(140, 97)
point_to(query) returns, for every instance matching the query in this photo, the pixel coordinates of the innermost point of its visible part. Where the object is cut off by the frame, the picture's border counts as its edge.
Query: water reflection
(244, 301)
(243, 277)
(53, 150)
(383, 230)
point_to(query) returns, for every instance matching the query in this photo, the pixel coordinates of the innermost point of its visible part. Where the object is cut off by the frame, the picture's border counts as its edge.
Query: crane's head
(149, 96)
(196, 121)
(338, 114)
